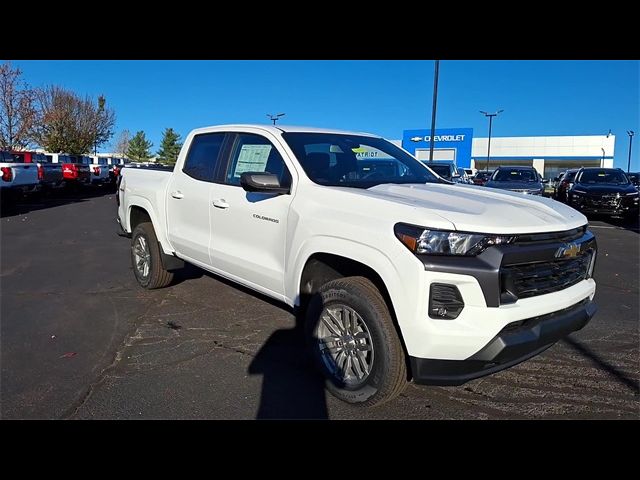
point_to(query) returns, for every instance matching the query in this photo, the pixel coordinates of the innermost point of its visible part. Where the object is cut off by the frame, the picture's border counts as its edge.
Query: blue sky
(384, 97)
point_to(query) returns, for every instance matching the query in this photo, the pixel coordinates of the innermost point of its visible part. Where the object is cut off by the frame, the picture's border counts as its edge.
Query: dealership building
(548, 155)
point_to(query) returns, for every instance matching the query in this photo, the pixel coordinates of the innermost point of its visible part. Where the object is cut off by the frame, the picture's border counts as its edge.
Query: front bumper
(515, 343)
(596, 205)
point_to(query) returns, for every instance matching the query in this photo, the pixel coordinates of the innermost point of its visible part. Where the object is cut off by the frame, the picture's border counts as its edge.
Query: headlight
(439, 242)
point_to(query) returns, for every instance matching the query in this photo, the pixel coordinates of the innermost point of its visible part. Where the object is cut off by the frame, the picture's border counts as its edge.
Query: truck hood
(479, 209)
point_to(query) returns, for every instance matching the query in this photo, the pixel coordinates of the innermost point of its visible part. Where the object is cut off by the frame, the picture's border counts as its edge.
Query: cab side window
(254, 153)
(203, 155)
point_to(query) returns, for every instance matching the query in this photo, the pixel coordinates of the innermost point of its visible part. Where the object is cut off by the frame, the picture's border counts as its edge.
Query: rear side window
(203, 156)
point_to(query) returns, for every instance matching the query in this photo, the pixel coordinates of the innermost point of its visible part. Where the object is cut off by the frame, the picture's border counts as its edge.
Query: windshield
(355, 161)
(613, 177)
(514, 175)
(442, 170)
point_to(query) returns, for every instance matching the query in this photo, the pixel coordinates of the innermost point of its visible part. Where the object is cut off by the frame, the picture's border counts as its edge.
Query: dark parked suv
(517, 179)
(565, 182)
(605, 191)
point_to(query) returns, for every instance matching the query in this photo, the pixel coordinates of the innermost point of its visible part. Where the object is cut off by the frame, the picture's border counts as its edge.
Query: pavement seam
(70, 412)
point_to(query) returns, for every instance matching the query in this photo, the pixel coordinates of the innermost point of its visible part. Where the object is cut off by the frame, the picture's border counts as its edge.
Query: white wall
(555, 146)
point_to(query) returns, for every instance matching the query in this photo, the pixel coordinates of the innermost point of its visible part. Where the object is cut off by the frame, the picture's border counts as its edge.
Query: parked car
(564, 184)
(605, 191)
(448, 171)
(517, 179)
(634, 178)
(99, 167)
(49, 174)
(390, 270)
(549, 189)
(17, 176)
(471, 172)
(482, 177)
(115, 165)
(75, 171)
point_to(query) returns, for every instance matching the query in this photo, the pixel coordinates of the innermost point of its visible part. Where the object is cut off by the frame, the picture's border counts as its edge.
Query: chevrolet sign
(416, 139)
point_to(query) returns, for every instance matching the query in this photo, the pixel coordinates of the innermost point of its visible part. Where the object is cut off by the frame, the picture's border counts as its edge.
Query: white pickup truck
(17, 175)
(402, 274)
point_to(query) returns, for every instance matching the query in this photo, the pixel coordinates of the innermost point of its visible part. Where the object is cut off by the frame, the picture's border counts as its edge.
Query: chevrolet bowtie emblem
(570, 250)
(415, 139)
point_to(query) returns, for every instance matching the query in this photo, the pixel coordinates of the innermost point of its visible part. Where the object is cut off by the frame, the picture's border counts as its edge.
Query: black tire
(157, 276)
(387, 375)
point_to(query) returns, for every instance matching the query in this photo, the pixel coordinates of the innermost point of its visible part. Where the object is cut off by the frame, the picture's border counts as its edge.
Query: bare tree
(17, 110)
(122, 143)
(72, 124)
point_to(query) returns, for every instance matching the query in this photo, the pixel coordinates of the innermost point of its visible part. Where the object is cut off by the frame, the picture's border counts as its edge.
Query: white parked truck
(17, 176)
(401, 274)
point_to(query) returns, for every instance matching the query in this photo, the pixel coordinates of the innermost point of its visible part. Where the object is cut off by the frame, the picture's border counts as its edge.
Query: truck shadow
(291, 386)
(622, 378)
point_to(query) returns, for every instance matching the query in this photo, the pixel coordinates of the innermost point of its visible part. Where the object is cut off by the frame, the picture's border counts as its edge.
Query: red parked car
(564, 184)
(482, 177)
(75, 172)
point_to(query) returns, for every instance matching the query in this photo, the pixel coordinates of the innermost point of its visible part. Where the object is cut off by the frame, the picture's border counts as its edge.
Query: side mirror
(545, 180)
(262, 182)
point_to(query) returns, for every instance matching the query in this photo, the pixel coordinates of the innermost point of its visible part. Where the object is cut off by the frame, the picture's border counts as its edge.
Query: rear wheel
(354, 343)
(146, 259)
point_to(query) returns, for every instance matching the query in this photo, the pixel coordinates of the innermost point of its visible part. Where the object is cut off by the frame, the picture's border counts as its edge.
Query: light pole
(490, 115)
(631, 133)
(433, 110)
(275, 118)
(101, 102)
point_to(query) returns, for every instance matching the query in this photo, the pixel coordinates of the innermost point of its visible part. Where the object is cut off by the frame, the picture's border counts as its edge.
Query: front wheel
(146, 260)
(354, 343)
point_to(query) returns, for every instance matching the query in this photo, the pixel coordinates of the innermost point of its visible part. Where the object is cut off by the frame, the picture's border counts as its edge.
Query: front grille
(551, 237)
(604, 201)
(531, 279)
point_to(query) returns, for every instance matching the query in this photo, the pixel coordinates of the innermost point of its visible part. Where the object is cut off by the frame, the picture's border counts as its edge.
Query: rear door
(189, 194)
(248, 230)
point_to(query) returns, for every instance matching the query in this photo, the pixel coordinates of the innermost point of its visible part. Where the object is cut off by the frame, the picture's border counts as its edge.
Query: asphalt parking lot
(80, 339)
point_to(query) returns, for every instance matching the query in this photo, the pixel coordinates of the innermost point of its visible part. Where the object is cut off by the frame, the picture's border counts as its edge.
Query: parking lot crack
(72, 411)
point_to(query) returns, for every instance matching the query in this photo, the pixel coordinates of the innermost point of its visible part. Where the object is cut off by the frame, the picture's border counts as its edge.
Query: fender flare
(359, 252)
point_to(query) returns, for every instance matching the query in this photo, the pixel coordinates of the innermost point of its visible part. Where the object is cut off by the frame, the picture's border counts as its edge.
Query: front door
(188, 201)
(248, 230)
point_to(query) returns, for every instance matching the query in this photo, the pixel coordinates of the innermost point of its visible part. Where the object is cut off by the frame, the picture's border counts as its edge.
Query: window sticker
(252, 158)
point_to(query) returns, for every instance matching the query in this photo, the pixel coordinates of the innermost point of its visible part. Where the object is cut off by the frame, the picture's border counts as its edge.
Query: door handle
(220, 203)
(177, 194)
